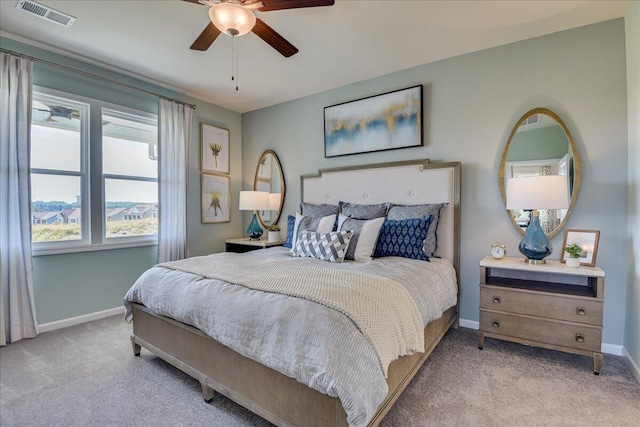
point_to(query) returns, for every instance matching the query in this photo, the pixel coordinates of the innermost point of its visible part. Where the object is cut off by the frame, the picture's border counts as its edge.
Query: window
(94, 174)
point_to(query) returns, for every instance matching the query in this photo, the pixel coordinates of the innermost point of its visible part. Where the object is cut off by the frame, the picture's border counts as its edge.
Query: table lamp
(254, 201)
(534, 193)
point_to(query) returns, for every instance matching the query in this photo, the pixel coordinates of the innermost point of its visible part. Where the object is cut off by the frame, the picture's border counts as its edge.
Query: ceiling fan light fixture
(232, 19)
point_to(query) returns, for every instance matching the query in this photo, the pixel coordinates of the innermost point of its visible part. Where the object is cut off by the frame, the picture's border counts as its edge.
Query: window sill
(92, 248)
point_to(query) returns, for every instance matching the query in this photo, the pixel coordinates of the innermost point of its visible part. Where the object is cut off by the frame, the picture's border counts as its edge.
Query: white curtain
(175, 135)
(17, 308)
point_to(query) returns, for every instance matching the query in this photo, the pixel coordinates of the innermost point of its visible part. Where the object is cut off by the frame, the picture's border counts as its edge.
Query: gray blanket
(381, 308)
(316, 345)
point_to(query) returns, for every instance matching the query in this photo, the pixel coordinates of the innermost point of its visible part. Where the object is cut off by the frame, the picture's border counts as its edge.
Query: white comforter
(310, 342)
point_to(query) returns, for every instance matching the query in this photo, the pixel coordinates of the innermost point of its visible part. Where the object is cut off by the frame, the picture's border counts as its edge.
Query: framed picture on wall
(264, 168)
(587, 240)
(215, 198)
(214, 149)
(264, 185)
(382, 122)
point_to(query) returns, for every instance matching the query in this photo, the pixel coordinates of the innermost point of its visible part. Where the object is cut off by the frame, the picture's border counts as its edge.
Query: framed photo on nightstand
(587, 240)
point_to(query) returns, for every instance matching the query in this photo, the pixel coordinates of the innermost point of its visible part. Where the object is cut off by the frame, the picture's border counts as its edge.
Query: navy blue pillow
(291, 223)
(403, 238)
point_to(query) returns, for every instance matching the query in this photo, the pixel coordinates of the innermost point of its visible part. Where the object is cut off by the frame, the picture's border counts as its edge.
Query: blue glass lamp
(254, 201)
(534, 193)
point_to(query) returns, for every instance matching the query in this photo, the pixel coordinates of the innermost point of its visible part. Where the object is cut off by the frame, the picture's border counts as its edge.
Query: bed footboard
(273, 396)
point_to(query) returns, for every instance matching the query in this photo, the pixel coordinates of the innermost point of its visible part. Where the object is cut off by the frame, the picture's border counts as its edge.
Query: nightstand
(549, 305)
(246, 245)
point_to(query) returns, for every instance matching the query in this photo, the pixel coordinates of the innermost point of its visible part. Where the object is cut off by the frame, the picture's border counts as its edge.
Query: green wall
(538, 144)
(70, 285)
(471, 103)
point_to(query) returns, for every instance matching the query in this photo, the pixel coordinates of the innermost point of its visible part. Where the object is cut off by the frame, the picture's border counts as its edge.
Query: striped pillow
(325, 246)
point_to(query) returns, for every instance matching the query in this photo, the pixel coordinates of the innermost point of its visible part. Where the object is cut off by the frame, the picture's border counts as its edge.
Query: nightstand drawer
(563, 334)
(580, 310)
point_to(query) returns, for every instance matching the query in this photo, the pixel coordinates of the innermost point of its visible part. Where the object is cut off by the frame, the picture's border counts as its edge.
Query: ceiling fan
(236, 18)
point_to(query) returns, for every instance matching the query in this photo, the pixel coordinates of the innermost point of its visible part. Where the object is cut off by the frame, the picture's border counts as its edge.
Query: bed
(261, 387)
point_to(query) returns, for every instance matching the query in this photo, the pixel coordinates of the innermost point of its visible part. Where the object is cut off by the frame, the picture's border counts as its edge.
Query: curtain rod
(93, 76)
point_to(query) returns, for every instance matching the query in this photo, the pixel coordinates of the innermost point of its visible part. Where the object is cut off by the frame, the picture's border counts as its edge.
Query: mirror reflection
(540, 144)
(269, 177)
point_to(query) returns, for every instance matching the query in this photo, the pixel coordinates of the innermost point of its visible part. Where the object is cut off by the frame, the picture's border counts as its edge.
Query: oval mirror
(270, 178)
(540, 144)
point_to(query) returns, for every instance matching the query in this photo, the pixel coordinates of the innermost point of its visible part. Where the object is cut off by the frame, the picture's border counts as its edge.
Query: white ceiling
(351, 41)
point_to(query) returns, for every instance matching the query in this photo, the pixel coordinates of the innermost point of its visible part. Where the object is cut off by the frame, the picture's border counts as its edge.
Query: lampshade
(254, 201)
(274, 201)
(538, 192)
(232, 19)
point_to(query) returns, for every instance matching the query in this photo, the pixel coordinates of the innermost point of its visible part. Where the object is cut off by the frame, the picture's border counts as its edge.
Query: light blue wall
(632, 336)
(471, 103)
(71, 285)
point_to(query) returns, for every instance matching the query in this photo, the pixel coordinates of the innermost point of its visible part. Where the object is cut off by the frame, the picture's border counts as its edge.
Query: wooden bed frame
(273, 396)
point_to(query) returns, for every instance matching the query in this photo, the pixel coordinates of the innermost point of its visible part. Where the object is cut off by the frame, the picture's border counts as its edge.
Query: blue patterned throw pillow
(291, 223)
(399, 212)
(403, 238)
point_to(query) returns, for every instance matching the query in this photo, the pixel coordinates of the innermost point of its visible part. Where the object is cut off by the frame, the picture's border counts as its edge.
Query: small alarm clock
(498, 250)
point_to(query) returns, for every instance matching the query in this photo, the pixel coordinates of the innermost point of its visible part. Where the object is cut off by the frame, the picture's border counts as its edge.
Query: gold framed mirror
(269, 177)
(541, 144)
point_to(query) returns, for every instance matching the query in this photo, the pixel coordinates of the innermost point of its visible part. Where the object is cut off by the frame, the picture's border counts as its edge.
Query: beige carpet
(86, 376)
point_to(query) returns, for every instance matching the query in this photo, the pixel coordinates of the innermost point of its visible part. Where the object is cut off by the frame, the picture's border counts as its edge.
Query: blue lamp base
(254, 231)
(535, 245)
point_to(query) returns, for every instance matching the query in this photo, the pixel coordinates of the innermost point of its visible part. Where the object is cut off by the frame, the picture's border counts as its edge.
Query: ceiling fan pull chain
(234, 60)
(233, 54)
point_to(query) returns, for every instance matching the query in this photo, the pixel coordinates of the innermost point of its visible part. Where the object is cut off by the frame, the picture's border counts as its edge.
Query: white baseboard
(614, 349)
(471, 324)
(64, 323)
(635, 368)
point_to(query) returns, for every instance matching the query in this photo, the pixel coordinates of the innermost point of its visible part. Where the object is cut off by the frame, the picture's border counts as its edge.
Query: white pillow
(365, 236)
(319, 225)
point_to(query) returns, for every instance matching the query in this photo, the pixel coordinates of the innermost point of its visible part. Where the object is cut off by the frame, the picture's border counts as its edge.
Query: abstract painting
(382, 122)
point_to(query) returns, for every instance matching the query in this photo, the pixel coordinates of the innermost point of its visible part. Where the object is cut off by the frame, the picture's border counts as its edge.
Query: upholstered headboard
(409, 183)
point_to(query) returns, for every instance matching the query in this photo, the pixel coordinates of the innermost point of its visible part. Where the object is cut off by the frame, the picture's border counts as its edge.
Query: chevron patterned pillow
(325, 246)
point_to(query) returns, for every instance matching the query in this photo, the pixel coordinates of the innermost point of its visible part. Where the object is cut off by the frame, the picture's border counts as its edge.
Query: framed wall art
(587, 240)
(214, 149)
(382, 122)
(215, 198)
(264, 185)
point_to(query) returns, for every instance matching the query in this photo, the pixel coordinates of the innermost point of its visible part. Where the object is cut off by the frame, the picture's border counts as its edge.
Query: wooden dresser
(550, 305)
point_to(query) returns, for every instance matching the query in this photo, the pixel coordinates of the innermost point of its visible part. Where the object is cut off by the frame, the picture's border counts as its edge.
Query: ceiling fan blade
(192, 1)
(206, 37)
(293, 4)
(274, 39)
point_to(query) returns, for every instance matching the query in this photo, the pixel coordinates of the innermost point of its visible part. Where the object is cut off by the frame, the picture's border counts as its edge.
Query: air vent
(531, 120)
(45, 12)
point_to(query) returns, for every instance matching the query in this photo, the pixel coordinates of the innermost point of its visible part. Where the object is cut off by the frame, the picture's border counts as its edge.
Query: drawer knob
(495, 323)
(581, 311)
(580, 337)
(496, 300)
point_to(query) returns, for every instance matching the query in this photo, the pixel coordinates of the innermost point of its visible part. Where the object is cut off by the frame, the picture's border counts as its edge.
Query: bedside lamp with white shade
(254, 201)
(534, 193)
